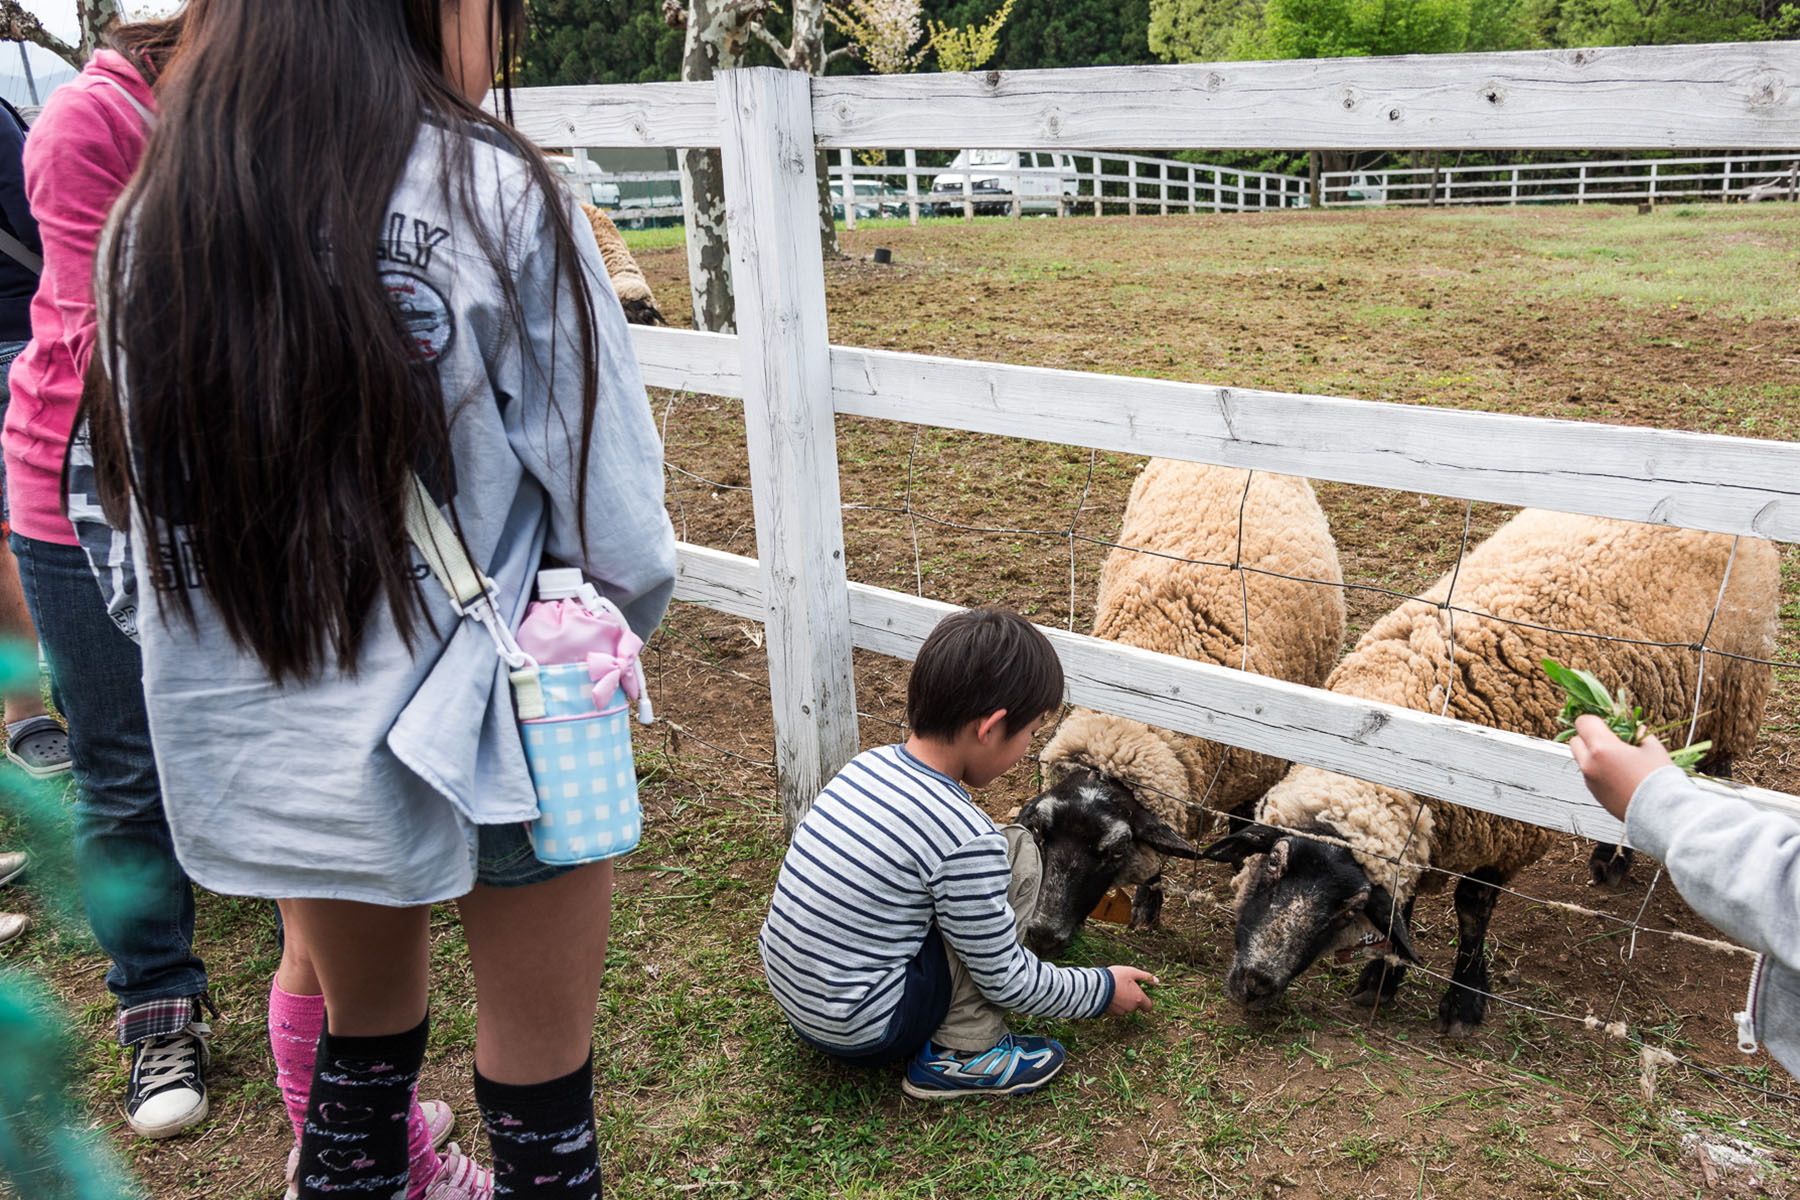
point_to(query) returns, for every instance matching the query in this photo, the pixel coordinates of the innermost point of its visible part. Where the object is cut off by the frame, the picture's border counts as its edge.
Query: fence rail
(793, 385)
(1745, 176)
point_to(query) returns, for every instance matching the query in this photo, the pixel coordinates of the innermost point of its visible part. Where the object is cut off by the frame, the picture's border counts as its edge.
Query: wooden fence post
(772, 200)
(1163, 187)
(1581, 186)
(912, 185)
(1131, 184)
(849, 188)
(1097, 211)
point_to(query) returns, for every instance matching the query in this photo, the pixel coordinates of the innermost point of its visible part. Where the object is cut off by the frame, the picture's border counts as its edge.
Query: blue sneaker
(1015, 1064)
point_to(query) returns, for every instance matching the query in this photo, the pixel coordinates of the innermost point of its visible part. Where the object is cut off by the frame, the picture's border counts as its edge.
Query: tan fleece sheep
(1151, 599)
(627, 277)
(1124, 786)
(1644, 582)
(1557, 572)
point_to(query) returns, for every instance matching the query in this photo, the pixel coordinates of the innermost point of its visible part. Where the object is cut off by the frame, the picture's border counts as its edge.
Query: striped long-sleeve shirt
(890, 847)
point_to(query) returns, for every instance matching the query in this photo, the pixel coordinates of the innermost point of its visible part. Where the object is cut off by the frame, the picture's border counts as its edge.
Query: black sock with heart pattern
(354, 1140)
(542, 1135)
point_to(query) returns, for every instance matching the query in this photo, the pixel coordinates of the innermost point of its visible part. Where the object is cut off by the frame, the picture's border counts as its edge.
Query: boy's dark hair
(977, 662)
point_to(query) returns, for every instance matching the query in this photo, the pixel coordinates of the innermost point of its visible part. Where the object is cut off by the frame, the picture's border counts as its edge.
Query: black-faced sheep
(1123, 794)
(1298, 898)
(627, 277)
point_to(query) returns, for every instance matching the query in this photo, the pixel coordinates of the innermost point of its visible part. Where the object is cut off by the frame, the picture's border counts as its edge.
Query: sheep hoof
(1456, 1030)
(1609, 865)
(1367, 997)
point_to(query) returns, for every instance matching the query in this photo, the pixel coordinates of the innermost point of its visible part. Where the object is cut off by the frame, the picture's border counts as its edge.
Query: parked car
(873, 199)
(585, 179)
(1368, 189)
(1040, 178)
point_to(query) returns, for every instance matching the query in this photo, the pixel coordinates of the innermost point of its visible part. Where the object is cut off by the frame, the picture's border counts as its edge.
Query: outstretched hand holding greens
(1587, 696)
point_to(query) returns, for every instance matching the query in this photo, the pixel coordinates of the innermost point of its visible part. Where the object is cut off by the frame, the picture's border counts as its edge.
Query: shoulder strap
(471, 592)
(20, 253)
(149, 117)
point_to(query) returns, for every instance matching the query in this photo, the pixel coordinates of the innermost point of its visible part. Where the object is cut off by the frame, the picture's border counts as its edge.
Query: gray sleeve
(1735, 864)
(629, 549)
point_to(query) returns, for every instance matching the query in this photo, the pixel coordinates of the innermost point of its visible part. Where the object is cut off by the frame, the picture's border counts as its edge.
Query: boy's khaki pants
(973, 1024)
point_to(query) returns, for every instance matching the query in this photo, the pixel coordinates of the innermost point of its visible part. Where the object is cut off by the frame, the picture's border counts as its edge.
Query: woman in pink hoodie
(79, 158)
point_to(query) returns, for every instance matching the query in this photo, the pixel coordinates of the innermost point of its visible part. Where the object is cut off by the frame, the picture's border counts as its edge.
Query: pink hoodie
(78, 158)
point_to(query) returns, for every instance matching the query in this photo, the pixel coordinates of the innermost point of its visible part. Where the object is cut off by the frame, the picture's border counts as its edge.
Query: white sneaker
(12, 925)
(168, 1082)
(439, 1121)
(12, 865)
(460, 1179)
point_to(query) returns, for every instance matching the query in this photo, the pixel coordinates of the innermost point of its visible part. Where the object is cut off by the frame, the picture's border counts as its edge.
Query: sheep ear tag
(1371, 943)
(1114, 908)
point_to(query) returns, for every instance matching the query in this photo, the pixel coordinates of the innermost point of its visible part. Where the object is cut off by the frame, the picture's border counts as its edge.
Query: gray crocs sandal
(39, 746)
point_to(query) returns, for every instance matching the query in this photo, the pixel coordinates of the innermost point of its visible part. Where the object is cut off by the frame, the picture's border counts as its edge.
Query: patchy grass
(702, 1089)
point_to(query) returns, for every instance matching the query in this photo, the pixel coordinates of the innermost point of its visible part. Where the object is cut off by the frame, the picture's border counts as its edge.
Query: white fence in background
(793, 382)
(1094, 183)
(1747, 177)
(1126, 183)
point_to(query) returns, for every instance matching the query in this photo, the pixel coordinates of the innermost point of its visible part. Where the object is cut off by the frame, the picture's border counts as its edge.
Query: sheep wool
(1152, 597)
(1559, 572)
(627, 277)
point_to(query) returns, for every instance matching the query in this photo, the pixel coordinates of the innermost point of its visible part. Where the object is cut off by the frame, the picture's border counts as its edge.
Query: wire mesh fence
(971, 519)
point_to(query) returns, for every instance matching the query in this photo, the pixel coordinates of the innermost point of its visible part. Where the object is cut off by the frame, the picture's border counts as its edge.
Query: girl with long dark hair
(332, 273)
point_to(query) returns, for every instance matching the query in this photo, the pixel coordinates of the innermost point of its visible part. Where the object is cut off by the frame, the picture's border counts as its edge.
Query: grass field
(1682, 319)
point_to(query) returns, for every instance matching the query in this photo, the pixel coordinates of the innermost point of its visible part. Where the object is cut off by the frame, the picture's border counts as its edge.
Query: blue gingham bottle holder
(579, 757)
(582, 768)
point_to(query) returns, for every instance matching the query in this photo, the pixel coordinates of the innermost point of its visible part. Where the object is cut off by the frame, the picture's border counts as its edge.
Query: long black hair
(275, 406)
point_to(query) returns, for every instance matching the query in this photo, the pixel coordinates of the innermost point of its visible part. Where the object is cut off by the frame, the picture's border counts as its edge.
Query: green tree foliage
(1214, 30)
(1058, 33)
(598, 41)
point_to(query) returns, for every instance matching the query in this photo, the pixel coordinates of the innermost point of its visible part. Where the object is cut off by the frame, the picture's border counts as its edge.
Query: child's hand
(1612, 768)
(1128, 997)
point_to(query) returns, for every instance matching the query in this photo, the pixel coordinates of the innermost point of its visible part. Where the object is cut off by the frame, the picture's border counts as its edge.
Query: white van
(585, 179)
(1039, 177)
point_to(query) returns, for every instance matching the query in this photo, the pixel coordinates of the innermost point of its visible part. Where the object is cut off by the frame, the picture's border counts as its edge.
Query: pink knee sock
(295, 1023)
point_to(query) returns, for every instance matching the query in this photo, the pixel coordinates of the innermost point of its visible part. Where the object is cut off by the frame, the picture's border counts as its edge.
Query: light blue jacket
(1739, 867)
(371, 787)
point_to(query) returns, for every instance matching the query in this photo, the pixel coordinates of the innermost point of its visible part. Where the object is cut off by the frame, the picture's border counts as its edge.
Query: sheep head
(1299, 899)
(1095, 835)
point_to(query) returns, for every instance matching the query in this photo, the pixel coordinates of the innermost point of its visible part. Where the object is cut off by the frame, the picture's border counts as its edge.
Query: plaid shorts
(504, 858)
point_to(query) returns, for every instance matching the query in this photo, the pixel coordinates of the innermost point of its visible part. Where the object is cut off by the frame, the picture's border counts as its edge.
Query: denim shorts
(504, 858)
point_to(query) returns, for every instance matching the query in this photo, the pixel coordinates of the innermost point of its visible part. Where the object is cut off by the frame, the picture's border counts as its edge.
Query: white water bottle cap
(559, 583)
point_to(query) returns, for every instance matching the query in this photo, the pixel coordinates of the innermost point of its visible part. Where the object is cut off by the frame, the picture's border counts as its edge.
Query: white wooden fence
(1725, 177)
(793, 381)
(1092, 182)
(1139, 184)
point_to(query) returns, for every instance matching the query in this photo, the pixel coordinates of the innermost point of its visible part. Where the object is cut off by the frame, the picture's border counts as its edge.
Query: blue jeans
(139, 901)
(924, 1002)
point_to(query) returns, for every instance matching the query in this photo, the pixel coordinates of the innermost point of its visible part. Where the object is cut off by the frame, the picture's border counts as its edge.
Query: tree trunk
(94, 16)
(806, 52)
(715, 42)
(708, 250)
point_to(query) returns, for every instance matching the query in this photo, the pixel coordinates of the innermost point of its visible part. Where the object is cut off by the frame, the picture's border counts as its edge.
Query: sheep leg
(1609, 864)
(1465, 1003)
(1146, 903)
(1380, 980)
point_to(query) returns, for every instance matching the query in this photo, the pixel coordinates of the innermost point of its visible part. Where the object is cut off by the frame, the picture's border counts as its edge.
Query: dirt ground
(1399, 311)
(1681, 319)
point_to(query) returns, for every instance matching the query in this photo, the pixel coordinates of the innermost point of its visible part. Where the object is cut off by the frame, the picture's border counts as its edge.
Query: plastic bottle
(571, 622)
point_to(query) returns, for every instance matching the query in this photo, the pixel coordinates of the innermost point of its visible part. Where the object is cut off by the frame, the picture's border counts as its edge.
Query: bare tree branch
(17, 25)
(768, 39)
(844, 51)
